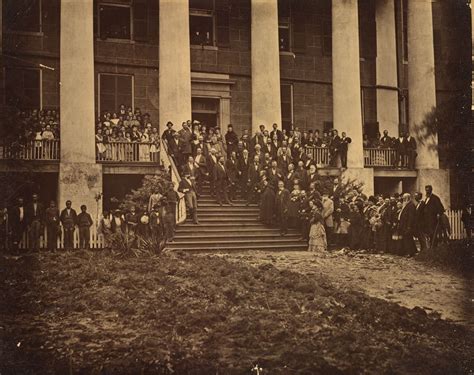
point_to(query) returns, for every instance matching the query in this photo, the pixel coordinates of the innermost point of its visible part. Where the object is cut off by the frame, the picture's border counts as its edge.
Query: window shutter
(299, 36)
(222, 27)
(140, 20)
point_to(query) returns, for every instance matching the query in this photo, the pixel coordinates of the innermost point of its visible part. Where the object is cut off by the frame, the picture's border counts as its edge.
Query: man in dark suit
(312, 176)
(221, 180)
(35, 222)
(188, 188)
(17, 222)
(253, 179)
(211, 164)
(343, 149)
(406, 226)
(419, 227)
(400, 149)
(243, 165)
(274, 175)
(231, 140)
(191, 168)
(168, 133)
(68, 219)
(386, 141)
(276, 132)
(185, 137)
(334, 147)
(290, 177)
(233, 173)
(283, 161)
(282, 201)
(432, 212)
(410, 150)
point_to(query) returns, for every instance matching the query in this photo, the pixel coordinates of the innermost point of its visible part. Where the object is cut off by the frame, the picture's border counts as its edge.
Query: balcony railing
(128, 152)
(320, 155)
(381, 157)
(32, 150)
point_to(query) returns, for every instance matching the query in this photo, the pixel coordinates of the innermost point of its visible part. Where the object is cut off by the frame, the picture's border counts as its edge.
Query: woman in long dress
(317, 234)
(144, 147)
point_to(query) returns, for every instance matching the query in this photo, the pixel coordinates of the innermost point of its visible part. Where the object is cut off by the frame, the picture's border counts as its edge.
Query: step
(219, 215)
(220, 224)
(228, 209)
(235, 205)
(212, 219)
(256, 236)
(222, 244)
(282, 247)
(214, 229)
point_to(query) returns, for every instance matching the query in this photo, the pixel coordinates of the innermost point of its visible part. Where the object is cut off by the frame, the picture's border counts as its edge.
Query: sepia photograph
(236, 187)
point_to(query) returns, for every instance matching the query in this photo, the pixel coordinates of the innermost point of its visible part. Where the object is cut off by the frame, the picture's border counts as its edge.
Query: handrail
(168, 162)
(319, 154)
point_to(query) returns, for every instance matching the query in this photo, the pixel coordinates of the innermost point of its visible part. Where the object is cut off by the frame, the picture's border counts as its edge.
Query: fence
(129, 152)
(96, 239)
(320, 155)
(31, 150)
(457, 227)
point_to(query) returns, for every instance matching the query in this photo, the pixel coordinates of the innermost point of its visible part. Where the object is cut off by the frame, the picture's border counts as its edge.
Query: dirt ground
(89, 312)
(402, 280)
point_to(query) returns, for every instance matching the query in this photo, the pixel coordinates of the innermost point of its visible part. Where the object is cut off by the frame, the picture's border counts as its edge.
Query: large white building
(356, 66)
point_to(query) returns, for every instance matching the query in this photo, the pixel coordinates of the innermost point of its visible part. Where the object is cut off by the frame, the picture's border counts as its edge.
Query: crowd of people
(127, 135)
(404, 147)
(156, 219)
(36, 125)
(273, 169)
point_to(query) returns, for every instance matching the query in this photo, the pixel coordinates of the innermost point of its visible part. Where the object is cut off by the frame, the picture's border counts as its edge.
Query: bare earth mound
(90, 313)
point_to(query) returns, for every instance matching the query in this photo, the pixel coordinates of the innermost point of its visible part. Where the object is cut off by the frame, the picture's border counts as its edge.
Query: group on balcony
(387, 151)
(34, 136)
(127, 136)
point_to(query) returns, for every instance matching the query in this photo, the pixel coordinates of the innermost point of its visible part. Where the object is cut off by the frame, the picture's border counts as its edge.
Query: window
(284, 25)
(115, 89)
(201, 22)
(326, 36)
(403, 98)
(24, 15)
(404, 14)
(23, 87)
(286, 92)
(114, 21)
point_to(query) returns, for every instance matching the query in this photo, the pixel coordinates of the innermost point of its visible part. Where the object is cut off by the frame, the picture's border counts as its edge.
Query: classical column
(80, 178)
(347, 108)
(175, 63)
(386, 68)
(421, 78)
(266, 101)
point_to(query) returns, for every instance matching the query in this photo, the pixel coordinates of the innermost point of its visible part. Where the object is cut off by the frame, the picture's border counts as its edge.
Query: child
(84, 222)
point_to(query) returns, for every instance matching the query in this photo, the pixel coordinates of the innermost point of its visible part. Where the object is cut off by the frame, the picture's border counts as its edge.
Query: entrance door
(206, 111)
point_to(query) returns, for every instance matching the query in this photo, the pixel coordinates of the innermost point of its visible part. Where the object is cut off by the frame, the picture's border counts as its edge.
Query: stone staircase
(229, 228)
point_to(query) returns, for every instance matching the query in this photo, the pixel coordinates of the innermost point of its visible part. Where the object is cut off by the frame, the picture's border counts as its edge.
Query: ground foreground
(95, 314)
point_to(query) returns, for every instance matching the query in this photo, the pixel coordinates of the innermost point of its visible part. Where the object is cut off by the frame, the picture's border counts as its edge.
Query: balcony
(320, 155)
(40, 150)
(128, 153)
(383, 158)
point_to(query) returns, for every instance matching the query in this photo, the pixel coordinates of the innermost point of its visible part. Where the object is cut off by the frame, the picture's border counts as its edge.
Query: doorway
(206, 111)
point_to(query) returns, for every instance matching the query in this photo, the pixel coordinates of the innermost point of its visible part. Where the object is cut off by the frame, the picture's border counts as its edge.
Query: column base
(81, 183)
(439, 179)
(361, 175)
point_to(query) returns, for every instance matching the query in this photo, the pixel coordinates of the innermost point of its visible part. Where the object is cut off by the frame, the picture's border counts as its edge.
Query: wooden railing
(168, 162)
(380, 157)
(128, 152)
(31, 150)
(320, 155)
